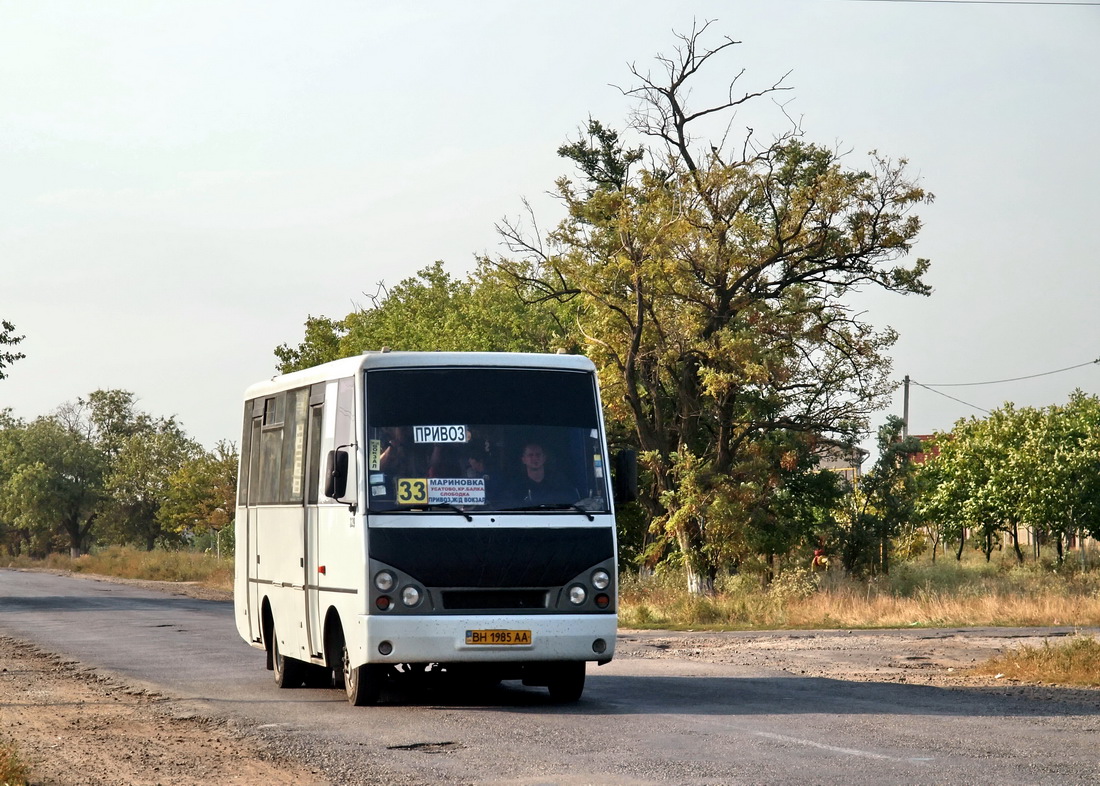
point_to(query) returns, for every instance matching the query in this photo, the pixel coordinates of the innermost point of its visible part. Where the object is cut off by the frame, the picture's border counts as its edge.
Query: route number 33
(412, 491)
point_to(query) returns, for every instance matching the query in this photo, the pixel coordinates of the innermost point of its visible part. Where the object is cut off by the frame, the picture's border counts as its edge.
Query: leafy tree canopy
(1019, 466)
(434, 311)
(8, 339)
(201, 494)
(711, 284)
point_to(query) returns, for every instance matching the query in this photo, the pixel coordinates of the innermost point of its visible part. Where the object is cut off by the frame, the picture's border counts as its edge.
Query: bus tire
(566, 681)
(289, 672)
(334, 651)
(363, 684)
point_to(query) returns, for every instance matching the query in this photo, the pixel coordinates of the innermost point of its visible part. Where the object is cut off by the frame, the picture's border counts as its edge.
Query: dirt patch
(76, 727)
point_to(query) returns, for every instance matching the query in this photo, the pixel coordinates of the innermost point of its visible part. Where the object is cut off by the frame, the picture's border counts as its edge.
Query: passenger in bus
(539, 484)
(476, 465)
(397, 459)
(444, 462)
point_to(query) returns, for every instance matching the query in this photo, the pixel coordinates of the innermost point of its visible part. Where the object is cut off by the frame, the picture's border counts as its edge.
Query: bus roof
(347, 367)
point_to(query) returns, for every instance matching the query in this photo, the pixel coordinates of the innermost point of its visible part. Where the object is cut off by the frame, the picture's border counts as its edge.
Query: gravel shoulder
(75, 725)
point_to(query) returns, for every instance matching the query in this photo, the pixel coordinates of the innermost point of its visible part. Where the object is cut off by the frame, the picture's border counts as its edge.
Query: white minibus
(406, 512)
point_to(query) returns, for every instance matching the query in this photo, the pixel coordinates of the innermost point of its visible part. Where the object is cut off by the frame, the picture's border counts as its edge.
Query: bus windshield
(483, 439)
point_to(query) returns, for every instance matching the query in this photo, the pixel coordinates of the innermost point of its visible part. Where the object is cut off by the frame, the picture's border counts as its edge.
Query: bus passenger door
(329, 538)
(251, 546)
(314, 577)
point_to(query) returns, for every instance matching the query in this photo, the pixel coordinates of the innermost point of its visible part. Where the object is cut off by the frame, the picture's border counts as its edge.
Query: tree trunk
(962, 542)
(1016, 543)
(1058, 546)
(700, 572)
(72, 529)
(987, 547)
(700, 583)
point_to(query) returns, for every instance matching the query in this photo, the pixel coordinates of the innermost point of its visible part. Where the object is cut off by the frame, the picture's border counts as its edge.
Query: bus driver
(538, 484)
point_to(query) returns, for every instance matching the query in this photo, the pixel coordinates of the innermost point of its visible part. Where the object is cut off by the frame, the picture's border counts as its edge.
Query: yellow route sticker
(412, 491)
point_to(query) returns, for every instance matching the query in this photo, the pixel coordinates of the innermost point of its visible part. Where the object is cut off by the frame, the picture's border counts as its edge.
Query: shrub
(13, 772)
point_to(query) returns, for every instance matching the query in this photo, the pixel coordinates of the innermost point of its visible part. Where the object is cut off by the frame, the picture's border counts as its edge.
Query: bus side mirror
(336, 474)
(626, 476)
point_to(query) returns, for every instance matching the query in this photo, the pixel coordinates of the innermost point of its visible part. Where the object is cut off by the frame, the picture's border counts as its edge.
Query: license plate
(519, 637)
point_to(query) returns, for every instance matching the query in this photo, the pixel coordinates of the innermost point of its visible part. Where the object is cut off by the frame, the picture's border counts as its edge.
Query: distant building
(929, 448)
(846, 460)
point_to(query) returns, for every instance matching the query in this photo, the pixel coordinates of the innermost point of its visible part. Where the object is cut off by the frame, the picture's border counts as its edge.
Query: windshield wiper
(554, 506)
(444, 506)
(424, 506)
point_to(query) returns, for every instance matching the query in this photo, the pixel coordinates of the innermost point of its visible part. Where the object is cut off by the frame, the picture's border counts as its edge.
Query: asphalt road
(640, 721)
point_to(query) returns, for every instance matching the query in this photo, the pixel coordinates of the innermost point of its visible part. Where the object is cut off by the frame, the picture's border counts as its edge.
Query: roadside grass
(130, 563)
(914, 594)
(1073, 662)
(13, 772)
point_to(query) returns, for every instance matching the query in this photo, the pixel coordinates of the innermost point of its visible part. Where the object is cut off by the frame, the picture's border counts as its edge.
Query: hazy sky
(182, 183)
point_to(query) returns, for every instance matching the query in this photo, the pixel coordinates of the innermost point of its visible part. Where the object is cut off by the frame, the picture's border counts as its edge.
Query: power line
(1012, 379)
(983, 2)
(939, 393)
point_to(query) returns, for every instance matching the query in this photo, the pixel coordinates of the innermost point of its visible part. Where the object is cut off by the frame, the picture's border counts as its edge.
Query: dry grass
(947, 594)
(129, 563)
(1073, 662)
(13, 772)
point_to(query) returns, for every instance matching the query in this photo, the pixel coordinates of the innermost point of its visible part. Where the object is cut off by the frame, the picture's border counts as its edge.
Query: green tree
(1063, 490)
(888, 495)
(710, 287)
(802, 512)
(12, 538)
(1008, 436)
(434, 311)
(320, 345)
(8, 339)
(51, 481)
(939, 503)
(1017, 467)
(139, 481)
(201, 495)
(967, 464)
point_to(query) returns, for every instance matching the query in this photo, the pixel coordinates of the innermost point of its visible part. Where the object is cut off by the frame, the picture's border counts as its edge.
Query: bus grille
(482, 600)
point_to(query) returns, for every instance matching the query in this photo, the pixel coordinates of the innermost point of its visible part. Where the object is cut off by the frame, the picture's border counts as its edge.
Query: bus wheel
(363, 684)
(289, 672)
(566, 681)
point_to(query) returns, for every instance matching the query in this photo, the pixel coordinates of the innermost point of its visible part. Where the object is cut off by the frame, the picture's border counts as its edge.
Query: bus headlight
(601, 579)
(410, 596)
(577, 594)
(384, 581)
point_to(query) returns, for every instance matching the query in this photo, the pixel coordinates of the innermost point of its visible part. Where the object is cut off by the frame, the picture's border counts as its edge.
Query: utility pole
(905, 410)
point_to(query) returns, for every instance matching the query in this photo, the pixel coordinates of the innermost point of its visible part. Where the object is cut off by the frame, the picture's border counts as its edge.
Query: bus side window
(316, 414)
(294, 447)
(271, 449)
(345, 439)
(246, 459)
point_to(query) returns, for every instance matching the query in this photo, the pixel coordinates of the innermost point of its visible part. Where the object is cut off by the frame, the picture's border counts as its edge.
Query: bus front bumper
(487, 639)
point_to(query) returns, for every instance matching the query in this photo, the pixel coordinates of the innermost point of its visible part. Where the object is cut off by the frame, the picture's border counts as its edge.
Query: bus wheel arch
(334, 646)
(267, 630)
(362, 684)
